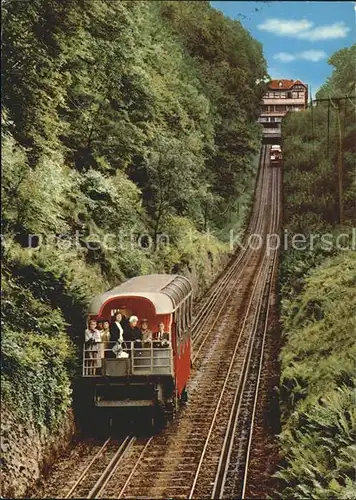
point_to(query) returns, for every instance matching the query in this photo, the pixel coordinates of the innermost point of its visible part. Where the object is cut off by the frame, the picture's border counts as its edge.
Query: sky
(297, 37)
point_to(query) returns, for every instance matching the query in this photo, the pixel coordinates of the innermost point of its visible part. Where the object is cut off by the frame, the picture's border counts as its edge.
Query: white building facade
(281, 97)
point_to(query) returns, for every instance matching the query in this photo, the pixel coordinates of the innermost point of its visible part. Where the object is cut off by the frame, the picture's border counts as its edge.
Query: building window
(295, 95)
(289, 95)
(280, 84)
(300, 95)
(283, 95)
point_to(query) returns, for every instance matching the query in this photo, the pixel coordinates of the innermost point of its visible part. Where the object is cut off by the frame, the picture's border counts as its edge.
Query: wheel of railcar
(184, 396)
(159, 419)
(169, 411)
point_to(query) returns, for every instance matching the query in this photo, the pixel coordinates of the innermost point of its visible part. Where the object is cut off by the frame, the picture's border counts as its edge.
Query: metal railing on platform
(128, 358)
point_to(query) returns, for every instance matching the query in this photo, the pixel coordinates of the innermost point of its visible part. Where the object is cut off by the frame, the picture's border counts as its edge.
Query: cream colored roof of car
(165, 291)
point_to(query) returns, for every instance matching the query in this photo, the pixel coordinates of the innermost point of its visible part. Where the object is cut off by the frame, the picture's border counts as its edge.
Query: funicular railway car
(148, 376)
(276, 156)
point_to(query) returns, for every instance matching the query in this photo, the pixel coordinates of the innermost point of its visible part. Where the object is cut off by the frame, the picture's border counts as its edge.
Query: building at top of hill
(281, 97)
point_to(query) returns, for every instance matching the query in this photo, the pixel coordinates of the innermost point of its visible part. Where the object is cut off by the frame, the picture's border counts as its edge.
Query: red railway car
(147, 376)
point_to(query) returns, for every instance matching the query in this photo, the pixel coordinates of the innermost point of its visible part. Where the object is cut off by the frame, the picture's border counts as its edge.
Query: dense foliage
(318, 384)
(318, 297)
(120, 119)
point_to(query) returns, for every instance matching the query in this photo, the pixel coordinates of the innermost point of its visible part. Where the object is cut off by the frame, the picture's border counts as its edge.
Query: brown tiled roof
(287, 84)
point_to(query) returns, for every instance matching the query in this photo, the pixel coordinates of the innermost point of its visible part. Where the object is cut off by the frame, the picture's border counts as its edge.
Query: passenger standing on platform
(161, 336)
(132, 333)
(92, 339)
(117, 335)
(146, 332)
(105, 338)
(116, 328)
(99, 327)
(124, 321)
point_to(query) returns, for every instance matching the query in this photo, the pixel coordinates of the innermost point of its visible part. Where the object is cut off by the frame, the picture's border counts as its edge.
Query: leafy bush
(318, 383)
(318, 301)
(119, 120)
(37, 357)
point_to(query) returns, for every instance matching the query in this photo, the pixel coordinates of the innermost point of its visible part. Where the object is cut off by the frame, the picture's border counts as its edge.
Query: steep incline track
(205, 452)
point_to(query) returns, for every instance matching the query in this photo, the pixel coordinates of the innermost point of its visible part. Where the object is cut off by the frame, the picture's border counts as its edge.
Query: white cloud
(304, 29)
(313, 55)
(284, 57)
(307, 55)
(284, 27)
(336, 30)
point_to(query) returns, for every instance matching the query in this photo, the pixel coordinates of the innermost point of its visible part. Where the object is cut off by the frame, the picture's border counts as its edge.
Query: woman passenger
(116, 329)
(92, 339)
(132, 333)
(145, 332)
(105, 338)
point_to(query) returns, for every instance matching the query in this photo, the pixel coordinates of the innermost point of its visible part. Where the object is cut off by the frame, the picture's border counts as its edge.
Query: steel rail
(264, 189)
(84, 473)
(217, 289)
(241, 271)
(218, 489)
(217, 408)
(223, 467)
(249, 446)
(244, 255)
(244, 371)
(111, 467)
(134, 468)
(109, 470)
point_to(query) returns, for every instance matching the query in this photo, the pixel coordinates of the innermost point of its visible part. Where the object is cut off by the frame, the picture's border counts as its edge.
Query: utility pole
(328, 143)
(339, 168)
(312, 113)
(338, 100)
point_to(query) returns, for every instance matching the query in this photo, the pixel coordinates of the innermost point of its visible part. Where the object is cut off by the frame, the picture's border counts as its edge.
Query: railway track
(232, 473)
(205, 452)
(250, 398)
(196, 441)
(237, 436)
(205, 320)
(91, 481)
(221, 285)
